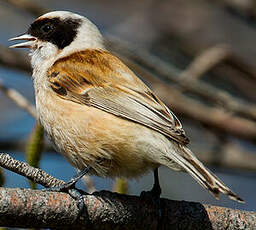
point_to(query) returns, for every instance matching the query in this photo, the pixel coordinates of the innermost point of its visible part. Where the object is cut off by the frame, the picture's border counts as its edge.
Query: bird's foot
(69, 187)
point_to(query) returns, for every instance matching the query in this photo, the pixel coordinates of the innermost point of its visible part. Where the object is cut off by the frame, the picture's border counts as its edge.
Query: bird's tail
(188, 161)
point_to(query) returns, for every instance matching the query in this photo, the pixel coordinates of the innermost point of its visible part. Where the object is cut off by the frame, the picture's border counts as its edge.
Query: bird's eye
(46, 28)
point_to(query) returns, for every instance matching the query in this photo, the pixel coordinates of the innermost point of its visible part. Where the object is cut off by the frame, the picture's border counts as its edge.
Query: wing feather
(80, 77)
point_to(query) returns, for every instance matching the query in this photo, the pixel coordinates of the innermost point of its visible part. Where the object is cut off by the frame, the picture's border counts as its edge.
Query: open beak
(30, 41)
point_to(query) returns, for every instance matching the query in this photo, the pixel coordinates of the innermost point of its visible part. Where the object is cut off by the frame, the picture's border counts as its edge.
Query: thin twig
(28, 6)
(205, 61)
(19, 99)
(36, 174)
(24, 169)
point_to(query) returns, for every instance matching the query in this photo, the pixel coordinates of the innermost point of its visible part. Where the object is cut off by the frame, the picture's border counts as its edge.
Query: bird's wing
(99, 79)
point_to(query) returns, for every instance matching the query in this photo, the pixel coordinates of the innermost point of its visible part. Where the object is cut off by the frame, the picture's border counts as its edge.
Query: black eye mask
(55, 30)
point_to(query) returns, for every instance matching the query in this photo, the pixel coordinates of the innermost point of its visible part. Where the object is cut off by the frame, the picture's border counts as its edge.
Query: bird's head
(58, 34)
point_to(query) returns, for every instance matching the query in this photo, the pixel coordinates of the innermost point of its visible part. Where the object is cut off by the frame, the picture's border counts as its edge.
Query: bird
(98, 113)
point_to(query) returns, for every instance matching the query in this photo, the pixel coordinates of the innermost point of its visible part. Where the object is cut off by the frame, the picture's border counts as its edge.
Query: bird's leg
(154, 193)
(156, 190)
(71, 183)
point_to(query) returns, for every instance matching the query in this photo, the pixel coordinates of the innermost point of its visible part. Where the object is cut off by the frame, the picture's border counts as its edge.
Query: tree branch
(18, 99)
(35, 174)
(106, 210)
(206, 61)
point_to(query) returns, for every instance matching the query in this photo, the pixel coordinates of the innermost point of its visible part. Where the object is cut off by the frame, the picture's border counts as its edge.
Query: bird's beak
(30, 41)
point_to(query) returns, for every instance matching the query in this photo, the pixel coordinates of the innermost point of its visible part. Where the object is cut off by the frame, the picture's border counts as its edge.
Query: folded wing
(97, 78)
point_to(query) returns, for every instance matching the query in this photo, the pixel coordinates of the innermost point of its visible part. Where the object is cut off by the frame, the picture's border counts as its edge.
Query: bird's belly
(88, 136)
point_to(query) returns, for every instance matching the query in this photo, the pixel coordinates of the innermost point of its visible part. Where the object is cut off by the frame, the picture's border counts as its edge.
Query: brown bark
(106, 210)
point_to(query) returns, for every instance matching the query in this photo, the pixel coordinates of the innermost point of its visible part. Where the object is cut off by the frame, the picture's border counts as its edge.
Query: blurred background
(199, 58)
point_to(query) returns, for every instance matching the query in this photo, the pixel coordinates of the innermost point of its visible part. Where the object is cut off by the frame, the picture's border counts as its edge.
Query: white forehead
(60, 14)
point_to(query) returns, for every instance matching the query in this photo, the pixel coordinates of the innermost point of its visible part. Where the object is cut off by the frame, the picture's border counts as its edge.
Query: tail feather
(187, 160)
